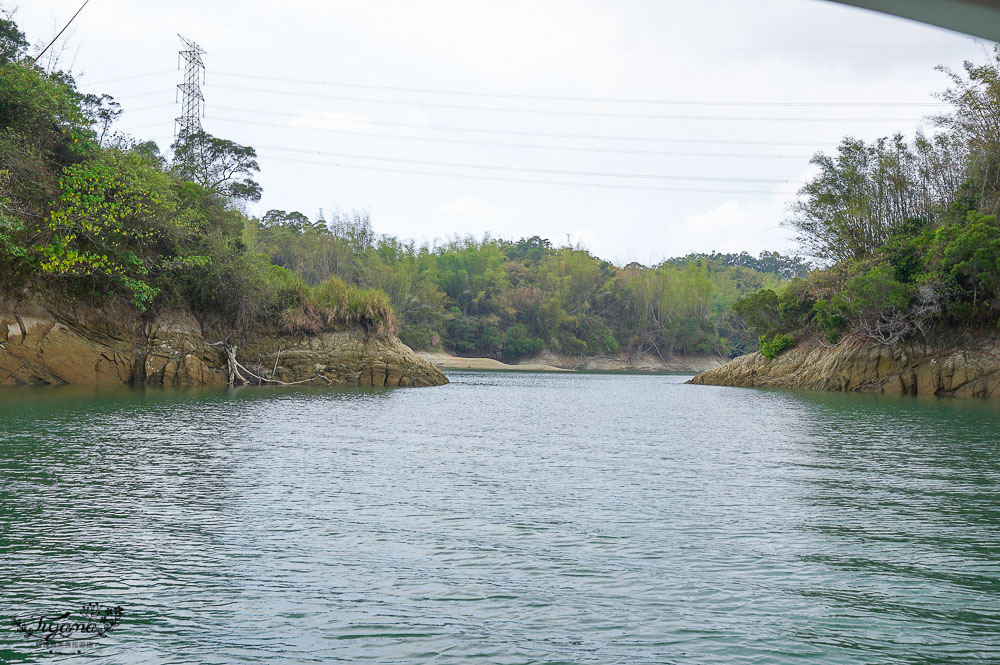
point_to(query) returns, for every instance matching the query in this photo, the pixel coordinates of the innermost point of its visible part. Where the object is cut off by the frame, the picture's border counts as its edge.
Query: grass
(335, 305)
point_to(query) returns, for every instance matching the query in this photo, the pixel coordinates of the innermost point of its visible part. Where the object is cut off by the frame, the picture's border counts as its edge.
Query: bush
(460, 331)
(795, 306)
(769, 348)
(332, 297)
(419, 337)
(760, 311)
(370, 309)
(231, 289)
(830, 321)
(330, 306)
(519, 342)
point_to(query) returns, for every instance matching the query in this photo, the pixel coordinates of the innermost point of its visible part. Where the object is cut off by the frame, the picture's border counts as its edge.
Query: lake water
(505, 518)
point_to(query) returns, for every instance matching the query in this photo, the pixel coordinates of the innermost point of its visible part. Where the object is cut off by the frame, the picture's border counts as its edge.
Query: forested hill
(509, 299)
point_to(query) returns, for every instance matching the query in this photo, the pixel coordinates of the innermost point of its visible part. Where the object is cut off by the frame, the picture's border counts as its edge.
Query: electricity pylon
(189, 121)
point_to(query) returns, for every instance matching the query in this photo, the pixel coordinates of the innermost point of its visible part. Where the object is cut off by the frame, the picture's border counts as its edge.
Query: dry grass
(335, 305)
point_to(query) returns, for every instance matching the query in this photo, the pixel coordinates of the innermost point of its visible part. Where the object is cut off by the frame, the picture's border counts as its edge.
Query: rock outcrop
(43, 343)
(960, 365)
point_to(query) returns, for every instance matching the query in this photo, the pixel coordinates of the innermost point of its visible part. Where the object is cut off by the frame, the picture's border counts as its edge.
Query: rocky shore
(41, 343)
(959, 365)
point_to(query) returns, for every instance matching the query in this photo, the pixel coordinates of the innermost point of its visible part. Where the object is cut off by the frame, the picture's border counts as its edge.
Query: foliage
(908, 229)
(767, 313)
(906, 233)
(769, 348)
(221, 166)
(13, 45)
(100, 216)
(519, 341)
(830, 320)
(117, 220)
(974, 97)
(771, 263)
(511, 299)
(868, 192)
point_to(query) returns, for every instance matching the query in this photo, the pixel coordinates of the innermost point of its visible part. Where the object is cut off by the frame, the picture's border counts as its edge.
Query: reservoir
(506, 518)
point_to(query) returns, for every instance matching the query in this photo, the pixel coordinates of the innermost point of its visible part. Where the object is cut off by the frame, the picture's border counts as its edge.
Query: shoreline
(444, 361)
(551, 362)
(949, 364)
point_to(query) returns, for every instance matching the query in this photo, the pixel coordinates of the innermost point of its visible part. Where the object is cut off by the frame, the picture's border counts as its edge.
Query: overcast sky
(334, 96)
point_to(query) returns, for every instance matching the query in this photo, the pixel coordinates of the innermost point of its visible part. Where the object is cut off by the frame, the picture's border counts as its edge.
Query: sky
(638, 129)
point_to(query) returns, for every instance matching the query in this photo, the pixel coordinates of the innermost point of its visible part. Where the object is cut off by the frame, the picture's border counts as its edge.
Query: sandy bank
(553, 362)
(444, 361)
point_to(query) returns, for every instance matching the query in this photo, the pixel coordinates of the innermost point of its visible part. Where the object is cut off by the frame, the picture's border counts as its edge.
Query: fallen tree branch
(237, 370)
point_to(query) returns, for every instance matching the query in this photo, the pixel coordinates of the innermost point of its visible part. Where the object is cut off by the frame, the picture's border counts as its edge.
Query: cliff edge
(41, 343)
(960, 365)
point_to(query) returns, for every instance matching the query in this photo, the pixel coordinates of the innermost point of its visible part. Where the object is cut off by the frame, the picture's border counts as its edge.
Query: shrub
(518, 341)
(769, 348)
(331, 297)
(461, 331)
(334, 305)
(302, 319)
(419, 337)
(830, 321)
(760, 311)
(370, 309)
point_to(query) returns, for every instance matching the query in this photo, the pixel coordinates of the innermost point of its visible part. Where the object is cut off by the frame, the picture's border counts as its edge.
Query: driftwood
(238, 372)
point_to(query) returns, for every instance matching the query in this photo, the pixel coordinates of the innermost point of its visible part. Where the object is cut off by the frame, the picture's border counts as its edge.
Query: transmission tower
(192, 101)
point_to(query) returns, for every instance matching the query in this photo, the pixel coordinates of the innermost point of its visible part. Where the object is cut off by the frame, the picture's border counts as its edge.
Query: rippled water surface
(505, 518)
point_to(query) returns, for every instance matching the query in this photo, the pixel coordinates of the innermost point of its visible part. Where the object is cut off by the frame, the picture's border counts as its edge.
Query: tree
(869, 191)
(12, 42)
(221, 166)
(975, 120)
(102, 110)
(295, 221)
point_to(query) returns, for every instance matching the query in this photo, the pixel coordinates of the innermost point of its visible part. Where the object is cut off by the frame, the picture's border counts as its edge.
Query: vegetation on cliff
(907, 231)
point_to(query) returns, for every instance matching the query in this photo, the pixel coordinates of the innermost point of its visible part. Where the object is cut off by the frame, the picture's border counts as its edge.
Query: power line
(497, 144)
(35, 59)
(152, 106)
(591, 114)
(134, 76)
(502, 132)
(491, 167)
(467, 176)
(565, 98)
(145, 94)
(967, 43)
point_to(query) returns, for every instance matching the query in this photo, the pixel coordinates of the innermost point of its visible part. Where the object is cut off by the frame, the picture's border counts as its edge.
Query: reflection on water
(504, 518)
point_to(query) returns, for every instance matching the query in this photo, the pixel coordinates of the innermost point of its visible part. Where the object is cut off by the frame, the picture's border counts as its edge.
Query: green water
(505, 518)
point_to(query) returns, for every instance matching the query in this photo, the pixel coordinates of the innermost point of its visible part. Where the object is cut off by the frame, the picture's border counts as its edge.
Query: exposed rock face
(40, 343)
(961, 366)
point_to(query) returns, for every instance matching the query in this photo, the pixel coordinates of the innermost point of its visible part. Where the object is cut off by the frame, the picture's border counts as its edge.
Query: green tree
(220, 166)
(13, 45)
